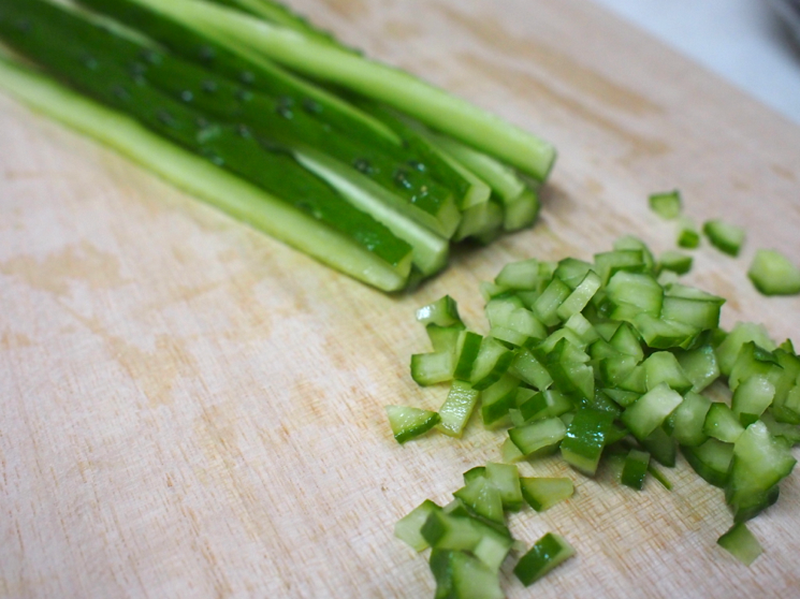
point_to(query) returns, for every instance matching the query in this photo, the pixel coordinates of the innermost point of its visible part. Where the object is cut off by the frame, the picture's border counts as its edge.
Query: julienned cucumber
(604, 359)
(193, 174)
(322, 61)
(383, 188)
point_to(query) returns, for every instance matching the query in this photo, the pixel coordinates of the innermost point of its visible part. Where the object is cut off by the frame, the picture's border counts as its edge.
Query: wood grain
(193, 410)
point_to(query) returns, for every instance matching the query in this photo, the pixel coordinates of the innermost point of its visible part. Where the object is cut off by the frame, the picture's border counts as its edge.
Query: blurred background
(752, 43)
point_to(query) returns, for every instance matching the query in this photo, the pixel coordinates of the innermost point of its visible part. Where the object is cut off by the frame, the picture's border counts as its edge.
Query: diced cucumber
(492, 362)
(443, 312)
(408, 422)
(741, 544)
(483, 499)
(498, 399)
(688, 236)
(409, 528)
(675, 261)
(773, 273)
(650, 410)
(742, 332)
(663, 367)
(667, 205)
(688, 420)
(432, 368)
(721, 423)
(635, 469)
(542, 493)
(585, 439)
(711, 460)
(724, 236)
(458, 575)
(539, 437)
(457, 408)
(547, 553)
(505, 478)
(759, 463)
(700, 366)
(751, 398)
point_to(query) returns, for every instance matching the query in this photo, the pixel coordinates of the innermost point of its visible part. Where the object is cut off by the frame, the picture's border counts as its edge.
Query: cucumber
(409, 422)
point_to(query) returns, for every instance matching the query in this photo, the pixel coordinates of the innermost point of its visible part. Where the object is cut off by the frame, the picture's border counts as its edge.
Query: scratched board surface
(191, 409)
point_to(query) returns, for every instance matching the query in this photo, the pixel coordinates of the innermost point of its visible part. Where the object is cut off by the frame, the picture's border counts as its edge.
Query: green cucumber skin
(287, 120)
(259, 75)
(263, 164)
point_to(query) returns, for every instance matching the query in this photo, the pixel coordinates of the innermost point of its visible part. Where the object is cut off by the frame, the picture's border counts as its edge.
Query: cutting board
(191, 409)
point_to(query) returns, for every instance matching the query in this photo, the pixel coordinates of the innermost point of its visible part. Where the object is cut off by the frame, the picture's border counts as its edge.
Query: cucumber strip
(409, 528)
(547, 553)
(741, 544)
(502, 179)
(408, 422)
(772, 273)
(430, 251)
(277, 13)
(725, 237)
(196, 176)
(256, 160)
(319, 60)
(520, 202)
(242, 65)
(667, 205)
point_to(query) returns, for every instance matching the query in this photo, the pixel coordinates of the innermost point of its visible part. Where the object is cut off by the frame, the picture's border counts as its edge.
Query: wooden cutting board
(191, 409)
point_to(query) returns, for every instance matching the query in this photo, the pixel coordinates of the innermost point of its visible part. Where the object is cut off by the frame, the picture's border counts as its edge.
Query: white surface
(742, 40)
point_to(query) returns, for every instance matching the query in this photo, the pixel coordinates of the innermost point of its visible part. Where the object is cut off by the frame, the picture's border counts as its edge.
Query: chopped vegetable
(667, 205)
(408, 423)
(741, 544)
(688, 236)
(725, 237)
(607, 359)
(635, 469)
(548, 552)
(772, 273)
(675, 261)
(371, 193)
(543, 493)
